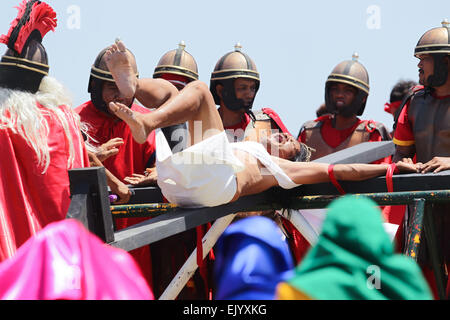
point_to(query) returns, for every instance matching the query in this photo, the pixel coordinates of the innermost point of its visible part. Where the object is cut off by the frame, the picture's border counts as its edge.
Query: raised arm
(312, 173)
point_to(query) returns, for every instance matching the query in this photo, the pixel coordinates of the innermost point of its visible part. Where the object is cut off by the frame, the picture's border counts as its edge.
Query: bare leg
(122, 66)
(193, 103)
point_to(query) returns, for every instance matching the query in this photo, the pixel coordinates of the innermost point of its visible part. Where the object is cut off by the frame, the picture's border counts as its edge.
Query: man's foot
(122, 66)
(133, 119)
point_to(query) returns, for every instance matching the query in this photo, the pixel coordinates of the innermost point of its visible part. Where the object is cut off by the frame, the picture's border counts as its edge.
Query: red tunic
(30, 199)
(334, 137)
(132, 158)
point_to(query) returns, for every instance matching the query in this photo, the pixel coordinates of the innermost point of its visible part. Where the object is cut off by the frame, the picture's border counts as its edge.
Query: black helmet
(353, 73)
(25, 63)
(436, 42)
(231, 66)
(99, 74)
(179, 62)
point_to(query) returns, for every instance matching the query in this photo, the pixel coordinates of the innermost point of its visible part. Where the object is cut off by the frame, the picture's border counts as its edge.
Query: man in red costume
(346, 92)
(105, 131)
(399, 92)
(39, 133)
(234, 84)
(423, 129)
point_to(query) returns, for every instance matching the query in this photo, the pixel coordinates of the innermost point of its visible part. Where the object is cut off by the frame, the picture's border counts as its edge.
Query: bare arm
(312, 173)
(404, 152)
(117, 186)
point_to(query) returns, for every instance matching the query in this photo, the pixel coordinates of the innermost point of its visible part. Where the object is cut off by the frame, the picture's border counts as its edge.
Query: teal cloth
(354, 259)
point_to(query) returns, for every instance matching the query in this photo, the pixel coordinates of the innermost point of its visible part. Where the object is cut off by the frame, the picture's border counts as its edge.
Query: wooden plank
(366, 152)
(180, 220)
(141, 195)
(90, 203)
(402, 183)
(363, 153)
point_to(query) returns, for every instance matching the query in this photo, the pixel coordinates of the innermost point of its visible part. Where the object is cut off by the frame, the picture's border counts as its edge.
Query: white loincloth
(204, 175)
(258, 151)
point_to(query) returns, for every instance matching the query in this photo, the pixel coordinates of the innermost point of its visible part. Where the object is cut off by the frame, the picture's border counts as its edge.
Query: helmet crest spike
(32, 16)
(177, 62)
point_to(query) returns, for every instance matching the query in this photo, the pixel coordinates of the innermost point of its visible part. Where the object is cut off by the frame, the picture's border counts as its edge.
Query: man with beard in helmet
(40, 135)
(346, 92)
(423, 130)
(234, 84)
(105, 132)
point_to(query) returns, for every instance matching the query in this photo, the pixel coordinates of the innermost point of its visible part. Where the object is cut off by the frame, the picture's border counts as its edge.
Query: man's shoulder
(316, 123)
(373, 126)
(83, 106)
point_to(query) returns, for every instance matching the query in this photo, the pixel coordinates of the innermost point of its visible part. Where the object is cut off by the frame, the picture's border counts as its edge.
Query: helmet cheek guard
(440, 73)
(229, 96)
(352, 73)
(231, 66)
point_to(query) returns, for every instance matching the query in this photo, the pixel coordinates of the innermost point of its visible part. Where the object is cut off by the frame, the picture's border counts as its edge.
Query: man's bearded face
(245, 90)
(426, 68)
(111, 93)
(342, 96)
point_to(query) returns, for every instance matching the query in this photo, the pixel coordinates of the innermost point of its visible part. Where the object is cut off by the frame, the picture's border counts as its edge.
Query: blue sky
(295, 44)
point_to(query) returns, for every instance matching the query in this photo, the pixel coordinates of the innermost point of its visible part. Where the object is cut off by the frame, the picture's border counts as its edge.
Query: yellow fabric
(404, 143)
(287, 292)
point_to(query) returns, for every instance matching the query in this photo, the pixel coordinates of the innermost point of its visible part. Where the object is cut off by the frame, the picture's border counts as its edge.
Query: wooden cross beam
(181, 220)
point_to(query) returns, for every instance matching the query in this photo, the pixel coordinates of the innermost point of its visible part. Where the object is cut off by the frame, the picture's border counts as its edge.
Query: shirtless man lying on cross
(230, 170)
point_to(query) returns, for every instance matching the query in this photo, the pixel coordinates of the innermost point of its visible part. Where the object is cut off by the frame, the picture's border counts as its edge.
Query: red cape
(29, 200)
(132, 157)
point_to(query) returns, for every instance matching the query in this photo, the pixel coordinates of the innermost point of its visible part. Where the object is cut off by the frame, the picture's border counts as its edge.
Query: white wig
(19, 112)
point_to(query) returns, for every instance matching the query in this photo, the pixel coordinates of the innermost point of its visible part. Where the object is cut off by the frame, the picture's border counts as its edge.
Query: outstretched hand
(407, 166)
(140, 180)
(109, 149)
(122, 191)
(435, 165)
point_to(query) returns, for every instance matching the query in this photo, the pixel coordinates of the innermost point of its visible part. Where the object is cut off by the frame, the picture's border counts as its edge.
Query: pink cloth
(66, 262)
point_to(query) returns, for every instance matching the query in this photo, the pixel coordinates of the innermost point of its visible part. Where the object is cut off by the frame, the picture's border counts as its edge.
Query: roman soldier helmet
(99, 74)
(231, 66)
(353, 73)
(25, 63)
(436, 42)
(177, 62)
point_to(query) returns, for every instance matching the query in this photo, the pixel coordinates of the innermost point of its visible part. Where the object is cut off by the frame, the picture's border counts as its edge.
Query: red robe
(30, 199)
(334, 137)
(132, 158)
